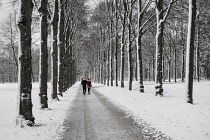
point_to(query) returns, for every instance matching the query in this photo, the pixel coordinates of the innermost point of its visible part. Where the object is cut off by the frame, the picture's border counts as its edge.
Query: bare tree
(142, 27)
(161, 18)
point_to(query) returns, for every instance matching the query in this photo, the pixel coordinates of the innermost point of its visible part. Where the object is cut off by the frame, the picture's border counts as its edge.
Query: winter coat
(84, 82)
(88, 83)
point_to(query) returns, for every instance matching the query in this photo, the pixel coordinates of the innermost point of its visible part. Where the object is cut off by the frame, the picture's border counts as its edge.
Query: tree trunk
(116, 44)
(139, 47)
(159, 48)
(111, 54)
(105, 72)
(122, 66)
(61, 47)
(108, 69)
(190, 51)
(169, 64)
(175, 71)
(25, 67)
(183, 64)
(130, 70)
(153, 65)
(136, 69)
(163, 69)
(149, 71)
(198, 48)
(43, 60)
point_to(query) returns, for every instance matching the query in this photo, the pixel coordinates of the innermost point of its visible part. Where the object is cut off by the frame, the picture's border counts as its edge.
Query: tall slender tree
(160, 18)
(122, 66)
(54, 51)
(142, 27)
(130, 67)
(43, 61)
(25, 68)
(190, 51)
(116, 41)
(61, 47)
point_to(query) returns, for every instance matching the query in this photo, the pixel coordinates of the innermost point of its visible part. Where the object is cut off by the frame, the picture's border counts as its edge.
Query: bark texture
(139, 47)
(61, 47)
(54, 52)
(159, 48)
(190, 51)
(130, 69)
(25, 67)
(43, 69)
(122, 66)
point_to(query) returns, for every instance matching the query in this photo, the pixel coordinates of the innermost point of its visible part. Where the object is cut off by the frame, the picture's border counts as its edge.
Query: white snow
(169, 114)
(49, 122)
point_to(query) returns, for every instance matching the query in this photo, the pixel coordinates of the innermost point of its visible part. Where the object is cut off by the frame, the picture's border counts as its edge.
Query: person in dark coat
(89, 85)
(83, 83)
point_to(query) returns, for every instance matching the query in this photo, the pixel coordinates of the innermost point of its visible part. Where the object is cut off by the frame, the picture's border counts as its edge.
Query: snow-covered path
(92, 117)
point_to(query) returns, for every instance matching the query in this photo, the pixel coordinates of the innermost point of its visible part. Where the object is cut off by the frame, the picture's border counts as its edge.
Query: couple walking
(86, 84)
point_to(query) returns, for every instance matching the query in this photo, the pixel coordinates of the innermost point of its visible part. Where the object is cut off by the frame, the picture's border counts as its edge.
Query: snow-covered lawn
(49, 122)
(169, 114)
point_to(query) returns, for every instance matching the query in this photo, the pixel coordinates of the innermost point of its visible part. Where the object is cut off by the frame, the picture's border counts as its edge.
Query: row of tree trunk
(62, 64)
(122, 11)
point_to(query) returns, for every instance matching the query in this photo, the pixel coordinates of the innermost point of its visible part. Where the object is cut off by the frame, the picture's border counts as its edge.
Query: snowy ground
(50, 122)
(169, 114)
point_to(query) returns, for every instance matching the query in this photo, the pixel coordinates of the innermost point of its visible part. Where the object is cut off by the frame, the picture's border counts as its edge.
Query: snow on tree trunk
(159, 43)
(198, 46)
(130, 70)
(43, 60)
(61, 49)
(139, 48)
(159, 48)
(122, 66)
(54, 52)
(25, 115)
(190, 51)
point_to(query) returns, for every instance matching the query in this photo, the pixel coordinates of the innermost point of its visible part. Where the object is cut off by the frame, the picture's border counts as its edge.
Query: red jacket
(88, 83)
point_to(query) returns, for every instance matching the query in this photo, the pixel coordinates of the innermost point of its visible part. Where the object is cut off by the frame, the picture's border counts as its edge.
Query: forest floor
(167, 117)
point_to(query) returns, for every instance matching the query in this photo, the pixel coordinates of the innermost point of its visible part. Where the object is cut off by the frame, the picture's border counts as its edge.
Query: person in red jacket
(89, 85)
